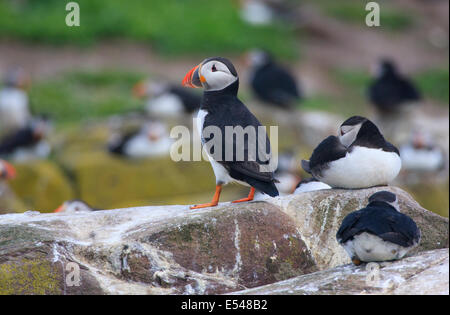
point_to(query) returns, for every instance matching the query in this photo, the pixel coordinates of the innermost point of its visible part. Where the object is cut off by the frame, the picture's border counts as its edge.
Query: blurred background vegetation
(82, 75)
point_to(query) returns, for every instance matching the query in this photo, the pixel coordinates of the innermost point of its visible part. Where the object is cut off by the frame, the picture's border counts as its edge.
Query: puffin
(14, 108)
(287, 172)
(310, 184)
(421, 154)
(390, 90)
(167, 100)
(151, 140)
(271, 83)
(378, 232)
(7, 171)
(359, 157)
(27, 142)
(73, 206)
(221, 110)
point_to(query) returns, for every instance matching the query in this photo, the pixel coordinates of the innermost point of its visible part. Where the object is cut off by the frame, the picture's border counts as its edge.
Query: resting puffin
(310, 184)
(73, 206)
(390, 90)
(378, 232)
(151, 140)
(7, 171)
(359, 157)
(165, 99)
(421, 154)
(27, 142)
(220, 108)
(270, 82)
(14, 110)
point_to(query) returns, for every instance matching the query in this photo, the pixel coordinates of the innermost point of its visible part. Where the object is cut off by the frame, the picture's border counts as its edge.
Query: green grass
(77, 96)
(354, 12)
(171, 26)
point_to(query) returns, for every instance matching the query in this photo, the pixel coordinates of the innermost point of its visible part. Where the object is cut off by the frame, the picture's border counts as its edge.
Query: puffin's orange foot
(356, 261)
(205, 205)
(250, 197)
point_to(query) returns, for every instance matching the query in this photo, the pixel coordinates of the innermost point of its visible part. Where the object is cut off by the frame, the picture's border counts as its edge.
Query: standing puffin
(378, 232)
(14, 110)
(270, 82)
(310, 184)
(359, 157)
(7, 171)
(73, 206)
(390, 90)
(167, 100)
(220, 108)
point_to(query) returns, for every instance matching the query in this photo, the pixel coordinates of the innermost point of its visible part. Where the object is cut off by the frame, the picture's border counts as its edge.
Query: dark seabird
(221, 108)
(378, 232)
(359, 157)
(390, 90)
(271, 83)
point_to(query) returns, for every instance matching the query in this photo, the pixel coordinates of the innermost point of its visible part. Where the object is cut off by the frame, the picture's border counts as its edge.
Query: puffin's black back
(275, 85)
(328, 150)
(381, 219)
(391, 90)
(22, 138)
(225, 109)
(369, 136)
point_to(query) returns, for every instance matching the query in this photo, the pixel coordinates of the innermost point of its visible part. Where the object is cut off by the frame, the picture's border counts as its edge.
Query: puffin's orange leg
(214, 202)
(250, 197)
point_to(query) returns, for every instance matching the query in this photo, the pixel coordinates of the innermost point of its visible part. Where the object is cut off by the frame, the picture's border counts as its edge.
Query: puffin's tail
(306, 167)
(267, 188)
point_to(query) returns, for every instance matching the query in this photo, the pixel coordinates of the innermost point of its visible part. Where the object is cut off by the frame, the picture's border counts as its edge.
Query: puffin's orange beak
(193, 78)
(10, 171)
(60, 209)
(140, 90)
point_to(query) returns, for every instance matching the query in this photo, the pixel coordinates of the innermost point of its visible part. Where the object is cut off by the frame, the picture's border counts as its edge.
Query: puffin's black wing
(275, 85)
(382, 220)
(328, 150)
(118, 146)
(22, 138)
(191, 101)
(248, 167)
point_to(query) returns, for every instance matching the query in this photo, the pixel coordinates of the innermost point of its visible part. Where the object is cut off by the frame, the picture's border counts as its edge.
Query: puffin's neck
(215, 99)
(380, 204)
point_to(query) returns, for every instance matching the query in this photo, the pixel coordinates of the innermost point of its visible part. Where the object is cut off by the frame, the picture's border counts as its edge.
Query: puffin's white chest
(165, 105)
(421, 160)
(361, 168)
(368, 247)
(222, 176)
(13, 108)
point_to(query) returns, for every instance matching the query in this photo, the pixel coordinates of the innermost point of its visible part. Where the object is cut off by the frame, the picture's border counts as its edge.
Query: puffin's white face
(348, 133)
(74, 206)
(215, 76)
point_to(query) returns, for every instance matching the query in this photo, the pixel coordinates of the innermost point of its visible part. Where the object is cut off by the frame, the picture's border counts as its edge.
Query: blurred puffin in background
(287, 172)
(151, 140)
(270, 82)
(73, 206)
(29, 142)
(267, 12)
(378, 232)
(7, 171)
(221, 107)
(390, 91)
(359, 157)
(14, 109)
(167, 100)
(310, 184)
(421, 154)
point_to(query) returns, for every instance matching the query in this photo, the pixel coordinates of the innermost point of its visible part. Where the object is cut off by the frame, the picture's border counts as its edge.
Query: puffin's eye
(214, 69)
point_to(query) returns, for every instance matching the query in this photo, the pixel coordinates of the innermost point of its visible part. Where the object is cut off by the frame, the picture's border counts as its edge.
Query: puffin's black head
(16, 78)
(358, 127)
(385, 196)
(385, 67)
(212, 74)
(259, 58)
